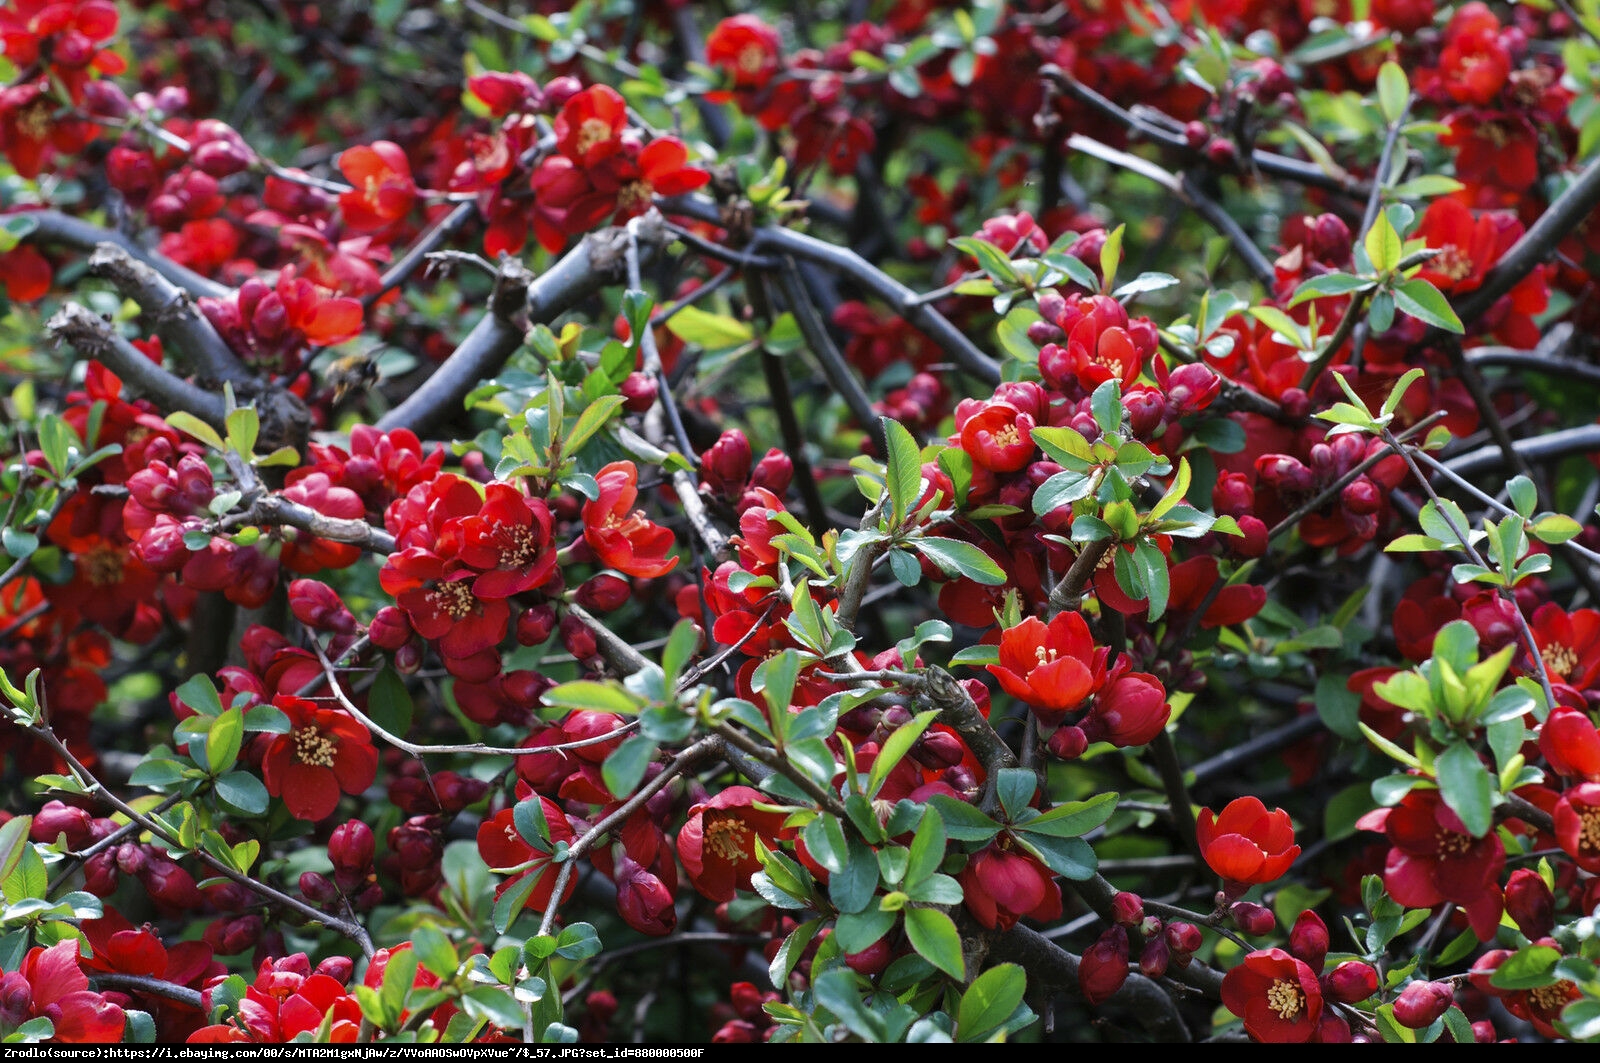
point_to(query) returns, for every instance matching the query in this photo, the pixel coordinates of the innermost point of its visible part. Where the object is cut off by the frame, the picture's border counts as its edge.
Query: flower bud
(408, 658)
(773, 472)
(57, 819)
(535, 625)
(1308, 940)
(1127, 909)
(351, 847)
(318, 606)
(1154, 957)
(1252, 919)
(643, 900)
(1420, 1003)
(16, 999)
(725, 465)
(339, 968)
(1528, 902)
(1351, 982)
(1331, 1029)
(1183, 940)
(1068, 743)
(223, 158)
(317, 889)
(871, 960)
(604, 592)
(638, 392)
(578, 638)
(390, 628)
(1104, 966)
(1361, 496)
(939, 750)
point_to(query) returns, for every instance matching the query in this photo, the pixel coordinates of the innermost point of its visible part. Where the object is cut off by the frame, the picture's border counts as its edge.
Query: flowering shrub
(905, 521)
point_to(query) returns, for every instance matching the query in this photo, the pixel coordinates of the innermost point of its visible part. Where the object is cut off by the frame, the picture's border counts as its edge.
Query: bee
(351, 372)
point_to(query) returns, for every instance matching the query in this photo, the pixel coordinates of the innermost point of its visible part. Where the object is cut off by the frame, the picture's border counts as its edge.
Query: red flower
(288, 999)
(998, 437)
(1130, 710)
(745, 49)
(509, 542)
(60, 992)
(326, 752)
(1577, 817)
(501, 846)
(1001, 885)
(619, 534)
(1569, 644)
(1050, 667)
(384, 190)
(25, 274)
(1570, 741)
(1434, 859)
(589, 127)
(1276, 995)
(718, 842)
(437, 595)
(1246, 845)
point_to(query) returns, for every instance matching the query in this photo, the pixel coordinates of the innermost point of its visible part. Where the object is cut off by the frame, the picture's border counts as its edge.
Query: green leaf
(904, 474)
(244, 427)
(793, 947)
(837, 991)
(895, 747)
(1111, 257)
(13, 840)
(963, 822)
(591, 420)
(958, 558)
(223, 741)
(1062, 489)
(852, 889)
(711, 331)
(627, 764)
(1329, 284)
(1106, 405)
(434, 950)
(936, 940)
(927, 849)
(1467, 787)
(1555, 528)
(243, 791)
(389, 702)
(198, 693)
(188, 422)
(1074, 818)
(587, 694)
(993, 261)
(529, 819)
(989, 1002)
(1398, 392)
(1527, 968)
(861, 930)
(1383, 245)
(1393, 91)
(1424, 302)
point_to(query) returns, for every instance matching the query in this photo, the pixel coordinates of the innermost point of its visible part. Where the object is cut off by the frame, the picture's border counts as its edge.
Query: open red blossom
(383, 189)
(1246, 845)
(1569, 644)
(437, 595)
(1434, 859)
(288, 999)
(60, 992)
(1052, 667)
(25, 274)
(745, 49)
(325, 753)
(502, 847)
(999, 437)
(509, 542)
(589, 127)
(1577, 818)
(1276, 995)
(620, 535)
(718, 842)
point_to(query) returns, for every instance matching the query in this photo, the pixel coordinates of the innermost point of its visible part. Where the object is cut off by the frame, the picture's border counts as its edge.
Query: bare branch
(97, 338)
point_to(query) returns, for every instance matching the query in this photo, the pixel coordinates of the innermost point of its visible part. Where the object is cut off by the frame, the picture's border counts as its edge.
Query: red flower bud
(317, 889)
(1183, 940)
(1351, 982)
(604, 592)
(535, 625)
(1127, 909)
(318, 606)
(725, 465)
(390, 628)
(577, 637)
(1420, 1003)
(350, 849)
(1308, 940)
(56, 819)
(1252, 919)
(1153, 958)
(408, 658)
(638, 392)
(1361, 497)
(773, 472)
(1331, 1029)
(16, 999)
(1530, 902)
(871, 960)
(1104, 966)
(1068, 743)
(643, 900)
(339, 968)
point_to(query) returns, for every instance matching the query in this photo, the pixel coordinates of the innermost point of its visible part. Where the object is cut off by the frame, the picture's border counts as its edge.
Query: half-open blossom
(998, 437)
(1276, 995)
(1246, 845)
(59, 991)
(1433, 859)
(383, 189)
(1570, 742)
(745, 49)
(620, 535)
(1002, 884)
(325, 753)
(1052, 667)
